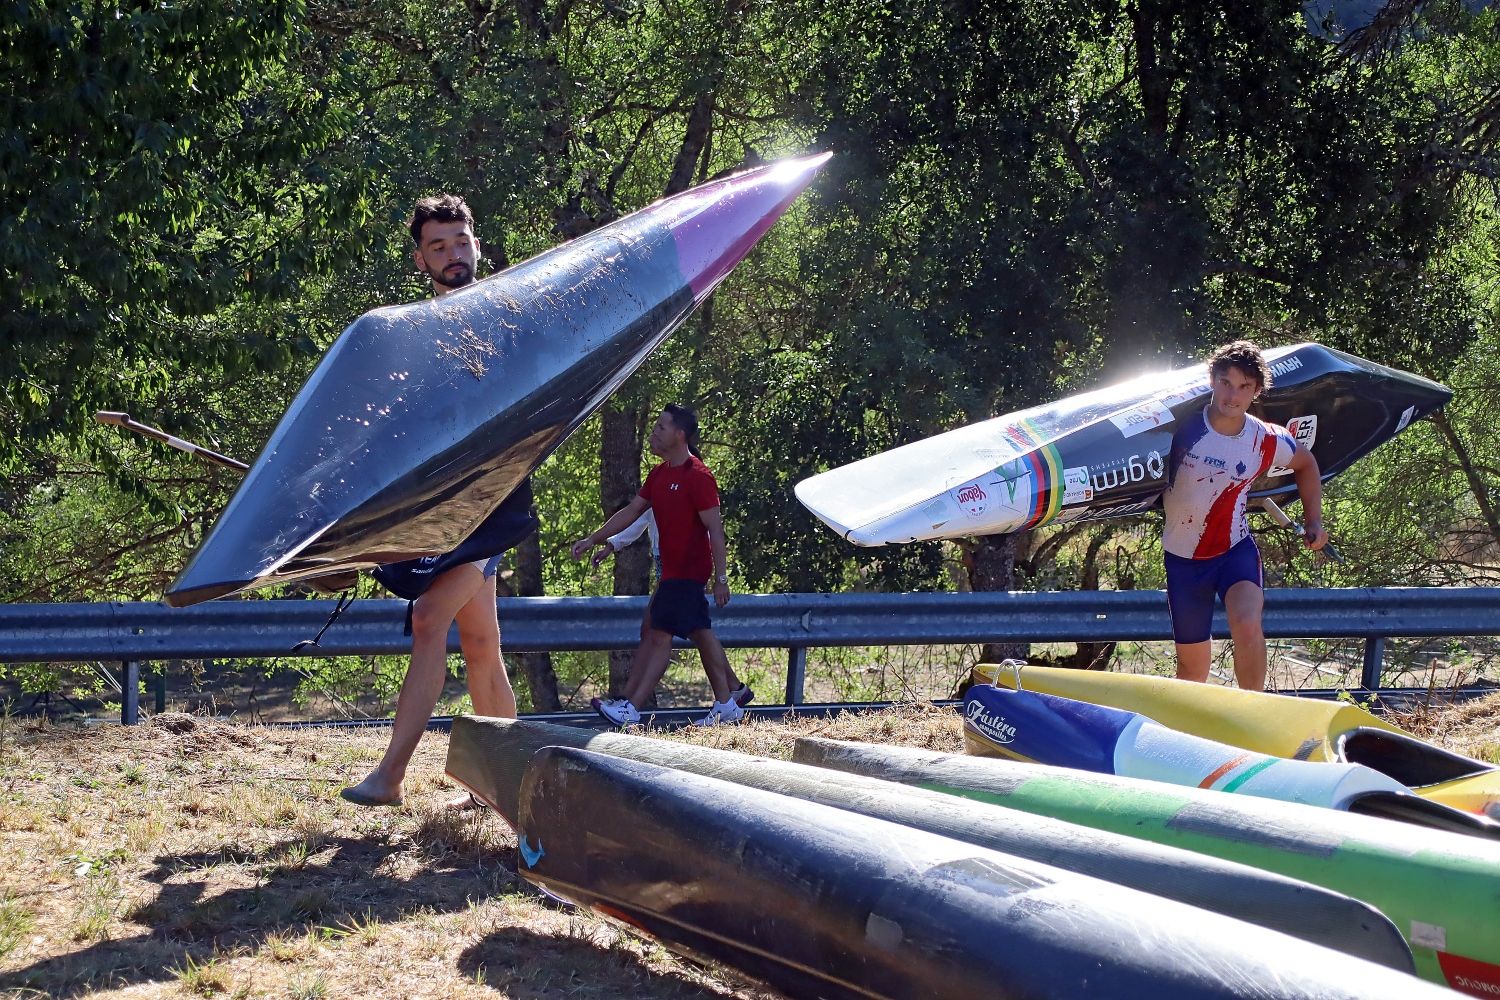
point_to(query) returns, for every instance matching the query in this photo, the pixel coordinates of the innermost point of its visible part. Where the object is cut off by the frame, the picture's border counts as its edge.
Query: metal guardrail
(131, 634)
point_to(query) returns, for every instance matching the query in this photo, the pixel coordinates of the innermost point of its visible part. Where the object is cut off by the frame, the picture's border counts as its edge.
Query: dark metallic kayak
(1104, 453)
(489, 757)
(822, 902)
(421, 419)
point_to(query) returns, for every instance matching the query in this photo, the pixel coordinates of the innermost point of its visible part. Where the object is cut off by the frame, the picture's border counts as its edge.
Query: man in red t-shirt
(684, 498)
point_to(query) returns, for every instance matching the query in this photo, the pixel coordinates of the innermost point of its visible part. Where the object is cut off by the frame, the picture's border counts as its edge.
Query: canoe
(1050, 729)
(1442, 890)
(1104, 453)
(821, 902)
(421, 419)
(1299, 728)
(489, 757)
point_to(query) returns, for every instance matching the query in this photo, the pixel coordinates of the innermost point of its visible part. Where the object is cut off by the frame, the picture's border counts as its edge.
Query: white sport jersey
(1210, 475)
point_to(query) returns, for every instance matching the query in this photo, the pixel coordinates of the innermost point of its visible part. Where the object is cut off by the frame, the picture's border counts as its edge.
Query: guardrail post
(1374, 662)
(130, 693)
(796, 674)
(161, 684)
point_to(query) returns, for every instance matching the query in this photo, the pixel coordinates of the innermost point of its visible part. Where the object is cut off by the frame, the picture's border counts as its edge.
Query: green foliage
(140, 188)
(1028, 199)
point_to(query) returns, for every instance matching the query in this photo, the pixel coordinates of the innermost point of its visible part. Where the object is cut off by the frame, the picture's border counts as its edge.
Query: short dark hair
(685, 419)
(1245, 356)
(441, 208)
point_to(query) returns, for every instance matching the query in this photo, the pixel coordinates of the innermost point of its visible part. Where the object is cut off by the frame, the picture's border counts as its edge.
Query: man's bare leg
(431, 617)
(1193, 660)
(715, 663)
(1244, 604)
(490, 689)
(648, 665)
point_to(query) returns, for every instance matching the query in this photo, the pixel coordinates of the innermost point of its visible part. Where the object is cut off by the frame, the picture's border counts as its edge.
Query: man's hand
(1313, 536)
(603, 552)
(581, 547)
(721, 593)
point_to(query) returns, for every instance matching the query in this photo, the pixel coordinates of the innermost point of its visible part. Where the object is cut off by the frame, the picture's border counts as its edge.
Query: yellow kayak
(1297, 728)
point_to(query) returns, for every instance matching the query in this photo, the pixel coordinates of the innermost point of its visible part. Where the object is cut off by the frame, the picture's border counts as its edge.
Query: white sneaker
(723, 711)
(619, 711)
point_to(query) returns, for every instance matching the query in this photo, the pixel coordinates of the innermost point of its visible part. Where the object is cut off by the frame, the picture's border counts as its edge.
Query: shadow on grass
(297, 886)
(525, 965)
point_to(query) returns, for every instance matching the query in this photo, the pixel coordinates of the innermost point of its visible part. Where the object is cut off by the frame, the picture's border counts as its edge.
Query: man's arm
(617, 542)
(620, 519)
(1310, 488)
(714, 522)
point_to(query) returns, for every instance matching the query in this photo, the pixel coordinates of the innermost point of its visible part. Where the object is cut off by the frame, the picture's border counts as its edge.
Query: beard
(456, 276)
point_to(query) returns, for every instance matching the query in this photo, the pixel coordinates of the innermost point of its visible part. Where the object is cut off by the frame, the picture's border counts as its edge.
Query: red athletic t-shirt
(676, 496)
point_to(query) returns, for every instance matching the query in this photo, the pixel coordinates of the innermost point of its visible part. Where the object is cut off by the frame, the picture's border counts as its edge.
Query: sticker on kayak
(1406, 416)
(1142, 417)
(1076, 485)
(1470, 975)
(1305, 433)
(937, 512)
(1183, 395)
(972, 499)
(990, 724)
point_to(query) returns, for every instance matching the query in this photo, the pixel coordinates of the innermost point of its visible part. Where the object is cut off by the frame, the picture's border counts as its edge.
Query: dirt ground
(196, 857)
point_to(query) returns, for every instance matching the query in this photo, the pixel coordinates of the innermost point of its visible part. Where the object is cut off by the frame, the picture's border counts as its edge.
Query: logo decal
(991, 725)
(1076, 485)
(1129, 472)
(1473, 976)
(1304, 431)
(1406, 416)
(1120, 510)
(972, 499)
(1284, 366)
(1141, 417)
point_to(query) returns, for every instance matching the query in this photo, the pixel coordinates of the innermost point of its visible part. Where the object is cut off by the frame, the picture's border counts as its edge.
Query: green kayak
(1441, 889)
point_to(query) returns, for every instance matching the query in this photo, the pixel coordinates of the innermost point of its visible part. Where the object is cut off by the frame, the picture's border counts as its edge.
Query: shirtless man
(456, 587)
(1216, 455)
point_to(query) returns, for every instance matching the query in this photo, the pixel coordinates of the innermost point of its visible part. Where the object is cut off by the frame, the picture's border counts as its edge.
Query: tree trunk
(537, 667)
(1095, 655)
(991, 562)
(1477, 485)
(621, 439)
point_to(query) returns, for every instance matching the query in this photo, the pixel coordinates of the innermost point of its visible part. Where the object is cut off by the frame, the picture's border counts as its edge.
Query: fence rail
(133, 633)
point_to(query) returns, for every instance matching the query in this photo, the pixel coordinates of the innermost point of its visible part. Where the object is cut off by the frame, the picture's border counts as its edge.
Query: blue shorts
(1192, 584)
(679, 607)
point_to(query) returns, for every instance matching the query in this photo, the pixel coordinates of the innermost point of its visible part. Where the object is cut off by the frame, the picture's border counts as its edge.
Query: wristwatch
(722, 579)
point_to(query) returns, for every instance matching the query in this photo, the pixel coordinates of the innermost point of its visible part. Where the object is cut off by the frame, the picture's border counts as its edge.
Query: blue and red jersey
(1209, 477)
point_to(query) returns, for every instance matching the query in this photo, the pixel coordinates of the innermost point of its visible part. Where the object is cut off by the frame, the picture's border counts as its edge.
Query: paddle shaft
(115, 419)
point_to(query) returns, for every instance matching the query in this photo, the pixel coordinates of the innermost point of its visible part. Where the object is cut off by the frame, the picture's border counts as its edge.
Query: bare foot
(373, 791)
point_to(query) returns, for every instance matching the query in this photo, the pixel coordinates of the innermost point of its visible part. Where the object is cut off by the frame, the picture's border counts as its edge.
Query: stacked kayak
(1050, 729)
(821, 902)
(1441, 889)
(490, 757)
(1297, 728)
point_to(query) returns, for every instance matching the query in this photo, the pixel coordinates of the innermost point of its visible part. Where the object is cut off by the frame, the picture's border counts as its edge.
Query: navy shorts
(679, 607)
(1193, 583)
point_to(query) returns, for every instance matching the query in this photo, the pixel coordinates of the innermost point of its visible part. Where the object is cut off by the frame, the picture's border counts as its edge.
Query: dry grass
(1471, 728)
(194, 858)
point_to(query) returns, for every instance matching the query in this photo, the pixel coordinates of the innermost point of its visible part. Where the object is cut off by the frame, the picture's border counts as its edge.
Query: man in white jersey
(1216, 456)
